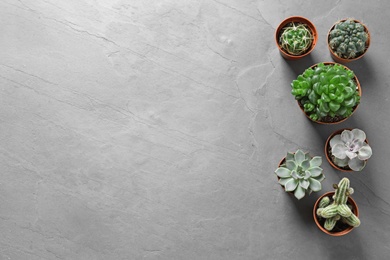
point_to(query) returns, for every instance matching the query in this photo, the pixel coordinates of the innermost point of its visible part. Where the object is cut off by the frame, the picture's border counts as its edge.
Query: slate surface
(151, 130)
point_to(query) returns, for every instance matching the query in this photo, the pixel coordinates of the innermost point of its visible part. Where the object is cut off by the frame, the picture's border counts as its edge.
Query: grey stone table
(152, 129)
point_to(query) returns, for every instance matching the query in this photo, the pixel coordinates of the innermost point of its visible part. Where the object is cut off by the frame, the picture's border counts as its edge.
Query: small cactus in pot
(296, 38)
(300, 174)
(348, 40)
(338, 210)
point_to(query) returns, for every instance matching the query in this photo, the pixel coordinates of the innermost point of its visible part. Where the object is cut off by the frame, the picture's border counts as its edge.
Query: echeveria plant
(338, 209)
(348, 39)
(350, 149)
(326, 92)
(296, 38)
(300, 173)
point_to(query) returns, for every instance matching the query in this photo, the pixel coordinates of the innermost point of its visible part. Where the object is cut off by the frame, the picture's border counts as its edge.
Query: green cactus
(348, 39)
(338, 209)
(296, 38)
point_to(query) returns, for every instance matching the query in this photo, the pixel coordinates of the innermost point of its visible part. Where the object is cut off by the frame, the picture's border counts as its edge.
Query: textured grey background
(151, 130)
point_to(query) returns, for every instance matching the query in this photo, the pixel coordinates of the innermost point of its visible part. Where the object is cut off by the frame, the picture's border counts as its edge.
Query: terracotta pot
(280, 164)
(296, 19)
(355, 210)
(343, 60)
(327, 147)
(359, 89)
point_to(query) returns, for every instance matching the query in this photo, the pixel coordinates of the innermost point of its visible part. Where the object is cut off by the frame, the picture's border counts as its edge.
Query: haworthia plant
(326, 91)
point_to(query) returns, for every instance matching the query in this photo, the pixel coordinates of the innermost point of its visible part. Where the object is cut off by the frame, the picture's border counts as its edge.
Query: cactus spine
(338, 209)
(348, 39)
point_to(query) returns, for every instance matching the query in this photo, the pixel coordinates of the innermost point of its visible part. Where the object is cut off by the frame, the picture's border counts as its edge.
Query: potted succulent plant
(336, 213)
(327, 93)
(296, 37)
(348, 149)
(300, 174)
(348, 40)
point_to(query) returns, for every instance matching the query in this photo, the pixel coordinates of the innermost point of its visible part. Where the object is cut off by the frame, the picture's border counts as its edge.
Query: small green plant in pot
(327, 92)
(296, 38)
(299, 173)
(349, 150)
(337, 214)
(348, 40)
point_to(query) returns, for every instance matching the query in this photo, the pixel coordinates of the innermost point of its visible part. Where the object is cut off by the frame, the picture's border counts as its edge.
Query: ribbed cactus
(338, 209)
(296, 39)
(348, 39)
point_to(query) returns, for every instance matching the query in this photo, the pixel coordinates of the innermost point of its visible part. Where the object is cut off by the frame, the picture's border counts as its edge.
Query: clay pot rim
(327, 144)
(355, 210)
(342, 120)
(299, 19)
(343, 60)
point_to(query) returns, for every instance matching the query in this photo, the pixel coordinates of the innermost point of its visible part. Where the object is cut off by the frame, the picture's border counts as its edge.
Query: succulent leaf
(315, 171)
(335, 140)
(315, 185)
(356, 165)
(291, 184)
(304, 184)
(339, 151)
(283, 172)
(299, 192)
(316, 161)
(365, 152)
(299, 157)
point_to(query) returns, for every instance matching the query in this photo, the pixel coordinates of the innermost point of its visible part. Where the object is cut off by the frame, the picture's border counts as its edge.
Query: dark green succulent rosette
(327, 92)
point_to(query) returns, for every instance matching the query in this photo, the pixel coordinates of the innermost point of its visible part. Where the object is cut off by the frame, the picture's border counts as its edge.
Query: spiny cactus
(348, 39)
(338, 209)
(296, 38)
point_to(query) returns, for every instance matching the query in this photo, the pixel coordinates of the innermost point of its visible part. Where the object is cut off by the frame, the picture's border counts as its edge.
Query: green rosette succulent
(296, 38)
(348, 39)
(338, 209)
(326, 92)
(300, 173)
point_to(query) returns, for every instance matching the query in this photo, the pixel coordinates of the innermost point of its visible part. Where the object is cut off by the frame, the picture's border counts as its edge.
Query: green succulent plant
(296, 38)
(348, 39)
(300, 173)
(326, 92)
(338, 209)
